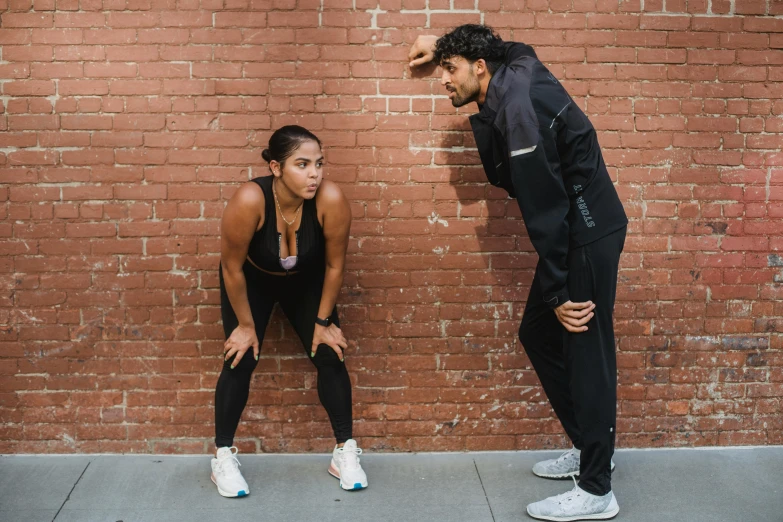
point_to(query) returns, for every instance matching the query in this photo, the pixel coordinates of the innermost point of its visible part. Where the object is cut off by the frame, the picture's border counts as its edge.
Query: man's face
(460, 80)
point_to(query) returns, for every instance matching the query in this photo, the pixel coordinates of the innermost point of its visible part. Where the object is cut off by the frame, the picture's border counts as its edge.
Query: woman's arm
(337, 226)
(241, 219)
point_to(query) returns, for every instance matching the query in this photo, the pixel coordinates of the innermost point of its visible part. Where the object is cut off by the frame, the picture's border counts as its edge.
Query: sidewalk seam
(482, 489)
(69, 493)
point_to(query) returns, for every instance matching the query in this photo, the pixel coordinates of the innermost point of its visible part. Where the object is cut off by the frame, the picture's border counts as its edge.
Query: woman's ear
(276, 168)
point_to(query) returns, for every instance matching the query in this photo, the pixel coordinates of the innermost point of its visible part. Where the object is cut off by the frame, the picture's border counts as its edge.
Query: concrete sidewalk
(732, 485)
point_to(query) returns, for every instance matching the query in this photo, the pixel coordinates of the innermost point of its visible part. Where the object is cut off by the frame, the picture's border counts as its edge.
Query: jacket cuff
(556, 299)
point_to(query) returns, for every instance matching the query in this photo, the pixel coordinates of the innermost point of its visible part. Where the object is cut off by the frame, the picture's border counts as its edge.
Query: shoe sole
(336, 474)
(597, 516)
(238, 494)
(574, 474)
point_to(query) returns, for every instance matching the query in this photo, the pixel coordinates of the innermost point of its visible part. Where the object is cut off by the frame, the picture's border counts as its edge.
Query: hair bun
(266, 155)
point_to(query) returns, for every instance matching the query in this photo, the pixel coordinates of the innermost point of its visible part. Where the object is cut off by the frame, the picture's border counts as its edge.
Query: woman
(284, 239)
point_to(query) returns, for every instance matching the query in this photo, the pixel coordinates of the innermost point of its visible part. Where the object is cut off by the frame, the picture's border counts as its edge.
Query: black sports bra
(264, 250)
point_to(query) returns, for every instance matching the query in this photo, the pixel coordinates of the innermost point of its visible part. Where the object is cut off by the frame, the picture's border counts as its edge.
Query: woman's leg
(334, 385)
(233, 386)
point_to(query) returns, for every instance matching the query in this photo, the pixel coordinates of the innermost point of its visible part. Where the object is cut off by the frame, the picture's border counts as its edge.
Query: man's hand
(422, 50)
(574, 316)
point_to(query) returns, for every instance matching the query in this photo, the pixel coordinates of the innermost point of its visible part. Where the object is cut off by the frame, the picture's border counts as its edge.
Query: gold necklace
(289, 223)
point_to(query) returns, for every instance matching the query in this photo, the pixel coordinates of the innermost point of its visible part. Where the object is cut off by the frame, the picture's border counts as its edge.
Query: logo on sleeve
(580, 203)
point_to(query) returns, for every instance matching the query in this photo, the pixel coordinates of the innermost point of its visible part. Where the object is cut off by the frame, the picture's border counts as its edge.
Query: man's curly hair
(472, 42)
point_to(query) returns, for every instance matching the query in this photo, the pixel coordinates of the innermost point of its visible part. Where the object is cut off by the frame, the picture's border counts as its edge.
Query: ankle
(598, 495)
(218, 448)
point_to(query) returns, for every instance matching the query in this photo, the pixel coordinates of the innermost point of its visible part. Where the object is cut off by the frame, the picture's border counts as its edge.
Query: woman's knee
(326, 357)
(245, 365)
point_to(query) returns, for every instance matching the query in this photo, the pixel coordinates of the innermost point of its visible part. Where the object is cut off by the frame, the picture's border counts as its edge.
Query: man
(537, 144)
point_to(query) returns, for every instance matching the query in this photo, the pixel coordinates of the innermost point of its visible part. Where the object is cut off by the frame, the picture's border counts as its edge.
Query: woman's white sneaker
(345, 466)
(226, 474)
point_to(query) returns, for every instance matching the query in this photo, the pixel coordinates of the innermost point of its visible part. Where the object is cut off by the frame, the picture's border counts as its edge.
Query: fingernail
(312, 354)
(232, 366)
(256, 357)
(342, 360)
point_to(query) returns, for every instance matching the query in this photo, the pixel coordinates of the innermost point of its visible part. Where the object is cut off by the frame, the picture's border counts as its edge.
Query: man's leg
(591, 359)
(543, 338)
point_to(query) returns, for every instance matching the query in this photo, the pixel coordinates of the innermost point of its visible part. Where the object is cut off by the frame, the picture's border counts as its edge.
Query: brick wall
(127, 124)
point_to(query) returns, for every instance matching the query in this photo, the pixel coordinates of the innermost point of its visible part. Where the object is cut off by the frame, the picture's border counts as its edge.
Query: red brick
(241, 20)
(13, 20)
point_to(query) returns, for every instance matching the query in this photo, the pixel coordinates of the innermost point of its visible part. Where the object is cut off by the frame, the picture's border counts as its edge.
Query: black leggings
(299, 296)
(578, 371)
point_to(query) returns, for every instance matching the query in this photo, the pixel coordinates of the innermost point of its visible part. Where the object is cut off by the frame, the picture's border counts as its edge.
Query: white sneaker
(345, 466)
(565, 466)
(226, 474)
(576, 504)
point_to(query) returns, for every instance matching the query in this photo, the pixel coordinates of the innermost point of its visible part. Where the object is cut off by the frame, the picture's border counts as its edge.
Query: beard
(467, 92)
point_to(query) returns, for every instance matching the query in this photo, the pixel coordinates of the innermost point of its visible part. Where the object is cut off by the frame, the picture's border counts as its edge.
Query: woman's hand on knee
(332, 336)
(242, 338)
(575, 316)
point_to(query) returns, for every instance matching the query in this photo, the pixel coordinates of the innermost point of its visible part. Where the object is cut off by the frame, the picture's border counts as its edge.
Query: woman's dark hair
(472, 42)
(285, 141)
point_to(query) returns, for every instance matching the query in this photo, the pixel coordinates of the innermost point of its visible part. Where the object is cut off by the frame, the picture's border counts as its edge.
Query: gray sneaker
(565, 466)
(576, 504)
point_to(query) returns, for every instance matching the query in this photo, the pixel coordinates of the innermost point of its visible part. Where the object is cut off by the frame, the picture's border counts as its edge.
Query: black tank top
(264, 250)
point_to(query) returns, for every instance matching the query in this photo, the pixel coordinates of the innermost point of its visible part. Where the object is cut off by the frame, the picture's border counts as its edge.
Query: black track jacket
(538, 145)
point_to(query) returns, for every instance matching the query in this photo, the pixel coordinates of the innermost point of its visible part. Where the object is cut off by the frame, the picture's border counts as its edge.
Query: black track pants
(579, 370)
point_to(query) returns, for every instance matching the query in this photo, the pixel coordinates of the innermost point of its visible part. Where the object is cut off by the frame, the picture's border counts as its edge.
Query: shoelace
(565, 455)
(232, 463)
(569, 495)
(350, 457)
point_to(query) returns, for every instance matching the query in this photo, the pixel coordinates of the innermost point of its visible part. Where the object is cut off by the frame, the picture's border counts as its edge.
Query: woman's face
(302, 171)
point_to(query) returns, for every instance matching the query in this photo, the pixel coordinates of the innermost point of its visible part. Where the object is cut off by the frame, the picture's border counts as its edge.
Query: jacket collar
(488, 110)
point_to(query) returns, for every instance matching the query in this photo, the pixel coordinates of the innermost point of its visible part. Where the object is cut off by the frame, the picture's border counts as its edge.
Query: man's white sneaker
(345, 466)
(565, 466)
(226, 474)
(576, 504)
